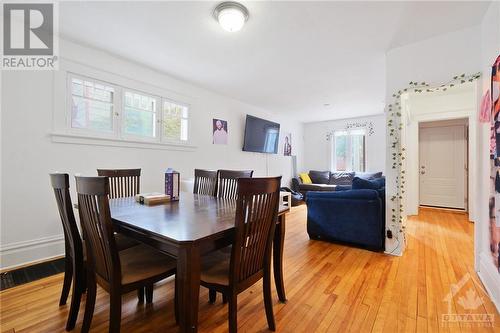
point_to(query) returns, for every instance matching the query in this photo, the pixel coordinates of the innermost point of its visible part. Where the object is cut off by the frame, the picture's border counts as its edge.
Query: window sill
(61, 137)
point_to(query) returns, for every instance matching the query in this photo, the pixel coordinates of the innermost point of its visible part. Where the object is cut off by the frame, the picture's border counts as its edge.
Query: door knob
(422, 172)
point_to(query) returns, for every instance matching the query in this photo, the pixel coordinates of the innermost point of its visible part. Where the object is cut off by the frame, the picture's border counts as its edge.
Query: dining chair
(250, 256)
(122, 182)
(74, 267)
(205, 182)
(75, 259)
(117, 272)
(227, 185)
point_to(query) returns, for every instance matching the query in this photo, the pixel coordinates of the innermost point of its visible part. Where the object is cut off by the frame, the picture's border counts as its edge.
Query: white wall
(435, 60)
(490, 50)
(317, 150)
(30, 226)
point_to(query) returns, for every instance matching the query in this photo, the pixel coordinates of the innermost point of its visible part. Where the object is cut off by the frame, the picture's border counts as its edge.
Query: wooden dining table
(187, 229)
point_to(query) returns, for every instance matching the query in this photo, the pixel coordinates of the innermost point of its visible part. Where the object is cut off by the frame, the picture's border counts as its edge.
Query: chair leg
(212, 296)
(115, 311)
(68, 276)
(268, 302)
(232, 313)
(76, 296)
(140, 295)
(176, 301)
(89, 303)
(149, 294)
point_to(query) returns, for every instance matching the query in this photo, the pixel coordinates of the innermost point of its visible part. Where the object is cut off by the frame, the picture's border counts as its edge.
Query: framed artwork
(287, 145)
(219, 132)
(494, 203)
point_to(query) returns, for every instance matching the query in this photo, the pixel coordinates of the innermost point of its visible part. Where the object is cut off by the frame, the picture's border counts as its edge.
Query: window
(99, 109)
(92, 105)
(175, 121)
(349, 150)
(139, 115)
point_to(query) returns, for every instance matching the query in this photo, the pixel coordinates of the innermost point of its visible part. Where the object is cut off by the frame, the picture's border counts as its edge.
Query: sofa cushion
(341, 178)
(317, 187)
(349, 194)
(343, 187)
(320, 177)
(360, 183)
(304, 177)
(369, 175)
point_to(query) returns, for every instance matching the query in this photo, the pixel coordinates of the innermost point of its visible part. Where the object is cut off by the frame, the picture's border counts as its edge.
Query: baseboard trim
(490, 278)
(15, 255)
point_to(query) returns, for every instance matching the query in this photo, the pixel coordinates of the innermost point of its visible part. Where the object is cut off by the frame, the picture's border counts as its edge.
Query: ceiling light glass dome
(231, 16)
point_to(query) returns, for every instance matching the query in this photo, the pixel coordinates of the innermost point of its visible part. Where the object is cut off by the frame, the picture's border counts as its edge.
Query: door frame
(411, 125)
(460, 122)
(476, 139)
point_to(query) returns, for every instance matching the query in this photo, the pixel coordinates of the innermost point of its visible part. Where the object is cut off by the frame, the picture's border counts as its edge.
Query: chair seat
(215, 267)
(142, 262)
(123, 242)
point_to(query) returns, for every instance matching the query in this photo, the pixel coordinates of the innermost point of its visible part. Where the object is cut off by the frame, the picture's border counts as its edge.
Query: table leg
(188, 275)
(278, 243)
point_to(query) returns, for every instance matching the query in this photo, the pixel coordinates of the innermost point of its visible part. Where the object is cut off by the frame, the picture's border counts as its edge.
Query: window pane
(184, 129)
(175, 122)
(139, 118)
(340, 152)
(92, 105)
(91, 114)
(357, 152)
(139, 123)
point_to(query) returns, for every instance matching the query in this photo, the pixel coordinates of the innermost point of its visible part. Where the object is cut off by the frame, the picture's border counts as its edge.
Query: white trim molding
(25, 252)
(62, 137)
(490, 278)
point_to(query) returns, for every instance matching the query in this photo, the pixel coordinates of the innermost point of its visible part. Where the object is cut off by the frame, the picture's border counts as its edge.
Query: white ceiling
(290, 57)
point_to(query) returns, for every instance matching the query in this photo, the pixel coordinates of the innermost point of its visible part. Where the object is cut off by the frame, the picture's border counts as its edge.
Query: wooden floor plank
(330, 288)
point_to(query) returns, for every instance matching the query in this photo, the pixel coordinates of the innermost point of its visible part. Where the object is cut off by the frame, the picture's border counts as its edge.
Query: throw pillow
(341, 178)
(369, 175)
(319, 177)
(365, 184)
(305, 178)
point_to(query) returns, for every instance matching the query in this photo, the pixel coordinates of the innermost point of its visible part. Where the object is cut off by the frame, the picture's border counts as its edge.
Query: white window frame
(125, 136)
(349, 134)
(88, 131)
(68, 134)
(175, 141)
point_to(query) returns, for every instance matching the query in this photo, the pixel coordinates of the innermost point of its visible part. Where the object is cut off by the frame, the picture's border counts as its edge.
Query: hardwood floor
(330, 288)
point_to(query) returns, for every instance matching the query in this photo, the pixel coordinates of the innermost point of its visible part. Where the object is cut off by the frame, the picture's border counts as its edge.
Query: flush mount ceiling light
(231, 15)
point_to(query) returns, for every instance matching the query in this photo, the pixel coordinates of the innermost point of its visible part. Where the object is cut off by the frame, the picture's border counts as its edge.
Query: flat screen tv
(261, 135)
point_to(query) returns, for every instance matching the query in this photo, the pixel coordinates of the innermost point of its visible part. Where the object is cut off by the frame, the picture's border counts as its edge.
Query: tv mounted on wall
(261, 136)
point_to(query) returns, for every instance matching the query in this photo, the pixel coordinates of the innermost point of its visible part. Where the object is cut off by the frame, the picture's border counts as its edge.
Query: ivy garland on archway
(396, 223)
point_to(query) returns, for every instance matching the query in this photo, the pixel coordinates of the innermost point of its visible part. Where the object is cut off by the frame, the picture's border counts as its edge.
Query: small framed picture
(287, 145)
(219, 132)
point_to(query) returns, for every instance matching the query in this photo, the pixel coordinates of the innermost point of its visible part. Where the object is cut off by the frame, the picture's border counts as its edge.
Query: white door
(442, 166)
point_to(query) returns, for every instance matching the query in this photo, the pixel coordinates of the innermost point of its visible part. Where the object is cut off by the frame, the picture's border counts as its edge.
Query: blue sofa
(354, 216)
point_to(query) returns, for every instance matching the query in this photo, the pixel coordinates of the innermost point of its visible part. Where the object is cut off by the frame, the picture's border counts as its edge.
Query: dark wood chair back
(227, 185)
(74, 264)
(93, 202)
(205, 182)
(72, 238)
(256, 214)
(122, 182)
